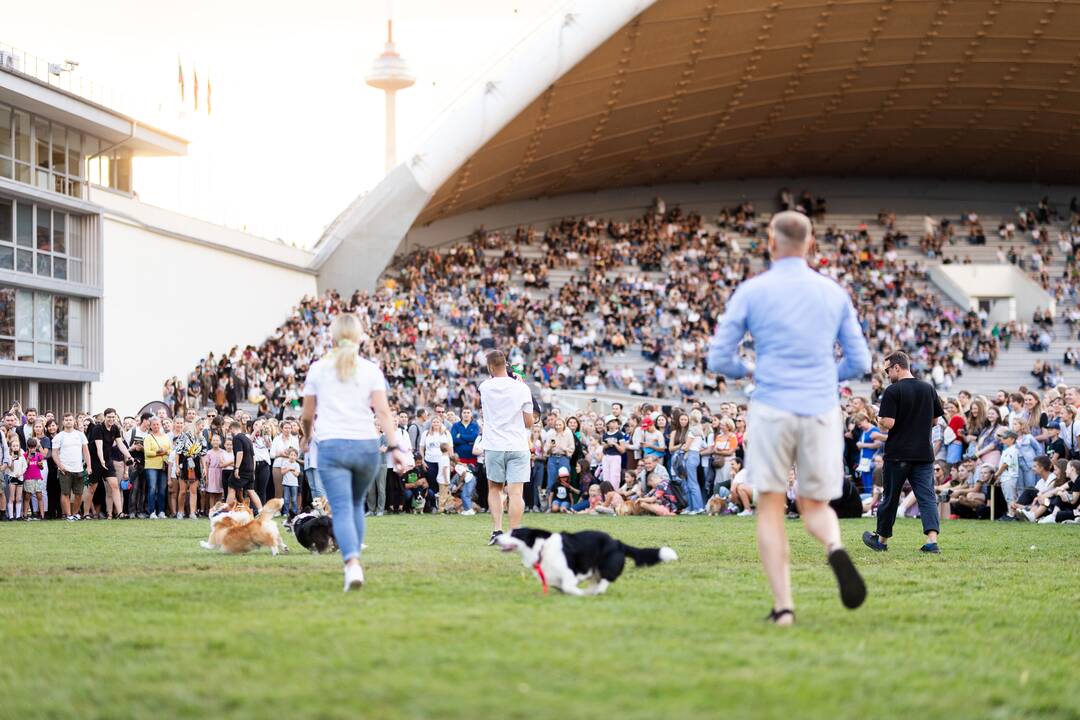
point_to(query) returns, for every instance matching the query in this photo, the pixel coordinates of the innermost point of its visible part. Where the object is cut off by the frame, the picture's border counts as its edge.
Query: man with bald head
(795, 316)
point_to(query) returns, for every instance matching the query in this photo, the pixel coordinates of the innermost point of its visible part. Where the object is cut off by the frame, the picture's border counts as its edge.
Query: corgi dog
(716, 506)
(234, 536)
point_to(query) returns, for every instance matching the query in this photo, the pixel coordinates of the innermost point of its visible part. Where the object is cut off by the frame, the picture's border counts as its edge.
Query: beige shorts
(777, 439)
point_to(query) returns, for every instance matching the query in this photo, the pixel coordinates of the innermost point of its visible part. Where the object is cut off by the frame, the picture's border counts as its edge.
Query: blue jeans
(553, 465)
(921, 477)
(315, 483)
(347, 468)
(155, 490)
(290, 507)
(693, 489)
(467, 491)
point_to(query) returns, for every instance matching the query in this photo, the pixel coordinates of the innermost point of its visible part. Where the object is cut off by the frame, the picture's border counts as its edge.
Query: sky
(295, 134)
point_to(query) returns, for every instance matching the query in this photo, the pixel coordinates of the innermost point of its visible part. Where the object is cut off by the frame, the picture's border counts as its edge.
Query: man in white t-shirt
(507, 407)
(71, 450)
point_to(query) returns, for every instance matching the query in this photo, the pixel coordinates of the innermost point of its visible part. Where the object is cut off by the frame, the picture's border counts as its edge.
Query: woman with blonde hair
(343, 390)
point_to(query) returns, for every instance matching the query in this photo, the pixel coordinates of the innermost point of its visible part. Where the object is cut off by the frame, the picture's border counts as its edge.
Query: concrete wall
(175, 291)
(1013, 294)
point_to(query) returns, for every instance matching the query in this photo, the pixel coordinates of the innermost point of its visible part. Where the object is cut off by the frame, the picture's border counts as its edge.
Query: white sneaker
(746, 513)
(1030, 515)
(354, 577)
(154, 516)
(1048, 520)
(179, 516)
(468, 512)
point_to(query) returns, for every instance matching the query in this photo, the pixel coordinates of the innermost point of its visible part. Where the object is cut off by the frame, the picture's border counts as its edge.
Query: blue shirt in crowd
(795, 316)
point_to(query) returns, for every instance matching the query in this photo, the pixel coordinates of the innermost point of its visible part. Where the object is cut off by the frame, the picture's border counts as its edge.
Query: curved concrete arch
(692, 91)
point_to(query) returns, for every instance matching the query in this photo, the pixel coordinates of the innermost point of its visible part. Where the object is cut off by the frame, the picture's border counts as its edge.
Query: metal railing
(64, 75)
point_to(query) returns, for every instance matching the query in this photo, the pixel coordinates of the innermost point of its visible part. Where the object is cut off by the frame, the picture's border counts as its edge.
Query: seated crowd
(648, 288)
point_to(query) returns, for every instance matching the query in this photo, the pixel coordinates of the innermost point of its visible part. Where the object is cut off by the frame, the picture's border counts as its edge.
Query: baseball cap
(564, 471)
(1053, 425)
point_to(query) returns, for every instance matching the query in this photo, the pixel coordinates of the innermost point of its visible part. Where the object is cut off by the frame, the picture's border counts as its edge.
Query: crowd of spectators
(1013, 457)
(633, 314)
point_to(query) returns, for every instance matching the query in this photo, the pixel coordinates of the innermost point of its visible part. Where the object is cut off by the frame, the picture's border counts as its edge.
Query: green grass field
(134, 620)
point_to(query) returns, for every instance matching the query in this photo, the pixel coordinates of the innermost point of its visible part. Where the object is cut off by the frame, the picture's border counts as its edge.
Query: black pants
(394, 491)
(262, 480)
(921, 477)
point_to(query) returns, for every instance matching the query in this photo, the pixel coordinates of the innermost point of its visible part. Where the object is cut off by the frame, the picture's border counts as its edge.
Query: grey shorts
(507, 466)
(777, 440)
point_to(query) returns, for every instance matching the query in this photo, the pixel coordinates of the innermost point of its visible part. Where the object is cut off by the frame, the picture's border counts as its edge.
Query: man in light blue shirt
(796, 316)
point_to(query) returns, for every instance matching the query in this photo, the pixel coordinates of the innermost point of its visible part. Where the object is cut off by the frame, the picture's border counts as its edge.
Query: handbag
(949, 435)
(864, 464)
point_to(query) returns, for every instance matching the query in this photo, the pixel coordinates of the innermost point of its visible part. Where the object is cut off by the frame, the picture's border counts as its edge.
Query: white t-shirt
(344, 408)
(401, 439)
(68, 446)
(432, 445)
(280, 445)
(502, 400)
(444, 470)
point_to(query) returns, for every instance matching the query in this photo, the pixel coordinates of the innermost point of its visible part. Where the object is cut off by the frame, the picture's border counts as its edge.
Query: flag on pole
(195, 84)
(180, 80)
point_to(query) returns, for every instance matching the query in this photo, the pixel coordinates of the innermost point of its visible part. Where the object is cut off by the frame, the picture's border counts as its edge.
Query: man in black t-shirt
(907, 413)
(103, 437)
(243, 477)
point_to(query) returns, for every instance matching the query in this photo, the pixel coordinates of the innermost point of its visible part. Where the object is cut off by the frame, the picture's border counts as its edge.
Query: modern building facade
(102, 296)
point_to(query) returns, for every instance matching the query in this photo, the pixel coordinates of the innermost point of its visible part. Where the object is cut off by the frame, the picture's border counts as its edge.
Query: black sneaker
(1007, 518)
(931, 548)
(872, 541)
(852, 587)
(494, 536)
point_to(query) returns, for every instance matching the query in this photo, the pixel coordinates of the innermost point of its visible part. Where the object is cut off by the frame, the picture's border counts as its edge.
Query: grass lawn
(134, 619)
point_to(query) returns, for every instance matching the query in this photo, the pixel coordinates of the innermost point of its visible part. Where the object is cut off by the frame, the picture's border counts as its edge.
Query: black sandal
(775, 615)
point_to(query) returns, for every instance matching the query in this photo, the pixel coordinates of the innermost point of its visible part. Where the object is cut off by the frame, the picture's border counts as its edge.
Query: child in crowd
(614, 442)
(562, 493)
(660, 500)
(443, 477)
(464, 483)
(16, 471)
(290, 483)
(595, 499)
(228, 459)
(1008, 472)
(34, 483)
(213, 462)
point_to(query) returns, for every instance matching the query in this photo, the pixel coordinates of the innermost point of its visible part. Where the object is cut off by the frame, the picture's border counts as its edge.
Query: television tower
(390, 74)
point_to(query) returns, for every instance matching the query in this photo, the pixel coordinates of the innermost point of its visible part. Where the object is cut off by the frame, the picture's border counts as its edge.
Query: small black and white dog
(563, 560)
(315, 532)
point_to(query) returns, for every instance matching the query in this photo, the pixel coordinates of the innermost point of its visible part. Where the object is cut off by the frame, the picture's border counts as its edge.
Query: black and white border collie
(563, 560)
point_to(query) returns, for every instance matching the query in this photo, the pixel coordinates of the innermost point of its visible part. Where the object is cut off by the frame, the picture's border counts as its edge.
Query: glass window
(7, 349)
(24, 224)
(6, 221)
(24, 351)
(5, 131)
(59, 148)
(44, 264)
(59, 266)
(60, 318)
(93, 170)
(21, 125)
(59, 244)
(7, 168)
(41, 137)
(24, 315)
(7, 312)
(7, 257)
(24, 261)
(75, 355)
(43, 320)
(61, 355)
(75, 324)
(44, 230)
(22, 173)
